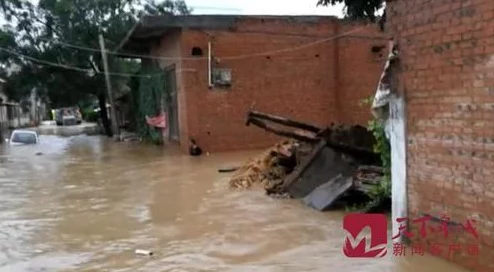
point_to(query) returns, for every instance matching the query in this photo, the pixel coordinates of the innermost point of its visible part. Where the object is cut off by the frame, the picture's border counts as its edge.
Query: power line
(295, 48)
(289, 49)
(78, 69)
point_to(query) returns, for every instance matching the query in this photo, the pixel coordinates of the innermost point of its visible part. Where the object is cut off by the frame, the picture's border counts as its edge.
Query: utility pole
(114, 124)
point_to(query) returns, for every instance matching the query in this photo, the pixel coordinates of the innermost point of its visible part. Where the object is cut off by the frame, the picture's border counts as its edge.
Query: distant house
(11, 113)
(312, 68)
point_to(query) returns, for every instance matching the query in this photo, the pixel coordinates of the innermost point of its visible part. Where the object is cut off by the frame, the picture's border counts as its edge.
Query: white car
(23, 137)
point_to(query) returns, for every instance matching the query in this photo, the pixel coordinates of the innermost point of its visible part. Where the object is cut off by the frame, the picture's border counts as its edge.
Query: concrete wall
(319, 84)
(447, 58)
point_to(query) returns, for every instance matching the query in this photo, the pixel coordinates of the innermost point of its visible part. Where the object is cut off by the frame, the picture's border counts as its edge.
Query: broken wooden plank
(325, 195)
(282, 133)
(357, 152)
(283, 121)
(361, 155)
(364, 188)
(376, 180)
(339, 138)
(371, 168)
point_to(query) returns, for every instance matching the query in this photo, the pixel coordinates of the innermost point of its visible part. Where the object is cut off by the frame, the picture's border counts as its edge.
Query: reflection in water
(87, 203)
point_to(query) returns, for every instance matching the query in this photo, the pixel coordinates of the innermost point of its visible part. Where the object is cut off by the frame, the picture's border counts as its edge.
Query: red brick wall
(359, 71)
(294, 84)
(302, 84)
(447, 61)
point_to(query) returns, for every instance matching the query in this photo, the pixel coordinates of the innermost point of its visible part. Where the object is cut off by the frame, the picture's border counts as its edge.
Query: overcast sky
(259, 7)
(263, 7)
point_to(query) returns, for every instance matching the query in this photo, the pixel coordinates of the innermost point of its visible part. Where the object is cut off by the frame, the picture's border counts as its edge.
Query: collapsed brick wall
(301, 84)
(447, 62)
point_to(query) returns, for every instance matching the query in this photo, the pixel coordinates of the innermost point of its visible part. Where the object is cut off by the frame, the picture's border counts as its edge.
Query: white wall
(397, 134)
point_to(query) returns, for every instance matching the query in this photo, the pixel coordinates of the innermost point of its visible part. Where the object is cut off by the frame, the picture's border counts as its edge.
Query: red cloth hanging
(157, 121)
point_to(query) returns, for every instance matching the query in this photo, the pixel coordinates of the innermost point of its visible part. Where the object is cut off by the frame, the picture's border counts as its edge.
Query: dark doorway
(172, 103)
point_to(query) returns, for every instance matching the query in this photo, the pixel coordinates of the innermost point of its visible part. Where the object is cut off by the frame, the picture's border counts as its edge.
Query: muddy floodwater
(87, 203)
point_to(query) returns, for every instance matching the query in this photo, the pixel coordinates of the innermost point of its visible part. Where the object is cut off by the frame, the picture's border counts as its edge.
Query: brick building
(447, 79)
(312, 68)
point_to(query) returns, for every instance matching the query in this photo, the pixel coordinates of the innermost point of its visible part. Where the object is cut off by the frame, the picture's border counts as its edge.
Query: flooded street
(87, 203)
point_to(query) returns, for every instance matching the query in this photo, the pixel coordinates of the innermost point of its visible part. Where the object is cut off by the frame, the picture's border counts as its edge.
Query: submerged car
(23, 137)
(68, 116)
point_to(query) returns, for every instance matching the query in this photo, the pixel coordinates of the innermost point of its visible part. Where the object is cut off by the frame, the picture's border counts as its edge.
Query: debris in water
(318, 165)
(39, 153)
(271, 166)
(128, 137)
(228, 169)
(143, 252)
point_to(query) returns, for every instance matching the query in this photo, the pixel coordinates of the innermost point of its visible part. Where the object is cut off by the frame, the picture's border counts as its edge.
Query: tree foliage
(382, 192)
(45, 32)
(357, 9)
(166, 7)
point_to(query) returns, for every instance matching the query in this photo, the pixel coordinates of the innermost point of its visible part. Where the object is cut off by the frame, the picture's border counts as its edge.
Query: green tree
(43, 31)
(357, 9)
(166, 7)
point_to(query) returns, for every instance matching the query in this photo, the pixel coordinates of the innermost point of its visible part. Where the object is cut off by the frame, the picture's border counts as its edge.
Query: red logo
(360, 245)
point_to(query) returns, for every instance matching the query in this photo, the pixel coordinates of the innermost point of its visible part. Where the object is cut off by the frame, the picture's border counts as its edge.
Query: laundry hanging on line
(157, 121)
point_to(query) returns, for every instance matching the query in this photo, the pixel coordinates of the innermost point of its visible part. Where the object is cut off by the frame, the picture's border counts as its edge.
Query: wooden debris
(368, 174)
(264, 168)
(252, 115)
(371, 168)
(317, 165)
(228, 169)
(294, 135)
(353, 140)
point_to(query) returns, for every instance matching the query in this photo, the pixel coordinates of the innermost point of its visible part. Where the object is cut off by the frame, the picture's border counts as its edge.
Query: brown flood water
(87, 204)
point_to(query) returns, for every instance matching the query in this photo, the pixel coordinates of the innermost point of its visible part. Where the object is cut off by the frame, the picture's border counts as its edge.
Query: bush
(91, 116)
(382, 146)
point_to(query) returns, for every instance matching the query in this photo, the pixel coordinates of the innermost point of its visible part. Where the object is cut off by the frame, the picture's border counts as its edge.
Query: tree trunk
(104, 115)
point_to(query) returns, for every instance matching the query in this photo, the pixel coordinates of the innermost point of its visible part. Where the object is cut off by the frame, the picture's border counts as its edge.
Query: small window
(377, 53)
(377, 48)
(196, 51)
(222, 77)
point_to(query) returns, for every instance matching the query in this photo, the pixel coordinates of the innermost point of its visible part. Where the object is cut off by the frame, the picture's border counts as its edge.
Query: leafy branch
(357, 9)
(382, 147)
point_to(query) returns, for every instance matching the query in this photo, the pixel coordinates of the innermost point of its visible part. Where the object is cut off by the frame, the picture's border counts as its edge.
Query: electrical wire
(78, 69)
(202, 58)
(295, 48)
(246, 56)
(273, 52)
